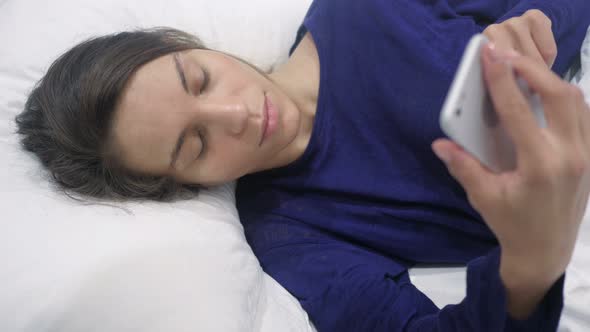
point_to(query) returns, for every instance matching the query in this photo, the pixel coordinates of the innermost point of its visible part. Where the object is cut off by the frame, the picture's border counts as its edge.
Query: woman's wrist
(526, 284)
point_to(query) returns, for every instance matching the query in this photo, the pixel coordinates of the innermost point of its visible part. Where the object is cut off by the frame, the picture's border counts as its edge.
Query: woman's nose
(228, 113)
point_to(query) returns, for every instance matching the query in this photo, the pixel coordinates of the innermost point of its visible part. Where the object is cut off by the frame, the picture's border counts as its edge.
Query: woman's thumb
(467, 170)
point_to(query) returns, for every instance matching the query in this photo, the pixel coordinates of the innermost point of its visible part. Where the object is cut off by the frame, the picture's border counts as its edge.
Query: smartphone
(468, 116)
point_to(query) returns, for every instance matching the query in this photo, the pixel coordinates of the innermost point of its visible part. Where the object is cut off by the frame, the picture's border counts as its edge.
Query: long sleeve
(344, 287)
(570, 19)
(339, 227)
(483, 11)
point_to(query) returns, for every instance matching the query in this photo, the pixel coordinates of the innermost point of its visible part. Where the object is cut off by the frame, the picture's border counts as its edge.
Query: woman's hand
(529, 34)
(535, 210)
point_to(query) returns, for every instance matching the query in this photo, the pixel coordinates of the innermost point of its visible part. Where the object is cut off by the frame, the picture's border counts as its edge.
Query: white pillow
(182, 266)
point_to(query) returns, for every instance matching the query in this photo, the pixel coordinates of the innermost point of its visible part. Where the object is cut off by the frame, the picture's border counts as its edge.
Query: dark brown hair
(67, 117)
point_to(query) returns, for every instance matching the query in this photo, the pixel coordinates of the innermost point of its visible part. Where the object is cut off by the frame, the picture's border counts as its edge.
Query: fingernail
(493, 52)
(504, 56)
(442, 154)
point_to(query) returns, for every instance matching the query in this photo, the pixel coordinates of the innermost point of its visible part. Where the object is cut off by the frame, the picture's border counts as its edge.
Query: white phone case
(468, 116)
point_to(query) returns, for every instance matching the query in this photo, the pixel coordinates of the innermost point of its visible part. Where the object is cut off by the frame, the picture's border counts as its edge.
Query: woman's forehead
(154, 84)
(147, 115)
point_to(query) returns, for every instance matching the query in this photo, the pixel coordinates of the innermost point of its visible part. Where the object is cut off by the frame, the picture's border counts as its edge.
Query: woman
(339, 191)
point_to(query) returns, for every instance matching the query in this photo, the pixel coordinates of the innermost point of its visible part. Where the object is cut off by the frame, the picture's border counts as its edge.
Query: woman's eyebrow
(180, 71)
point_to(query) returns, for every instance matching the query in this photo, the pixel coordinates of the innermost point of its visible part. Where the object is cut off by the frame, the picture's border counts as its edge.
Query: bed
(182, 266)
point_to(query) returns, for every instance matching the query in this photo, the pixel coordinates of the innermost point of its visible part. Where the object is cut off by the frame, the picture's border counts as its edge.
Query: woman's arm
(535, 210)
(569, 21)
(529, 34)
(566, 15)
(349, 288)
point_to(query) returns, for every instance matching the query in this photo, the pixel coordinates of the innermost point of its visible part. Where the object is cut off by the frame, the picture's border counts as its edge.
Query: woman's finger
(512, 107)
(584, 116)
(498, 35)
(520, 34)
(526, 46)
(583, 111)
(480, 183)
(557, 97)
(542, 35)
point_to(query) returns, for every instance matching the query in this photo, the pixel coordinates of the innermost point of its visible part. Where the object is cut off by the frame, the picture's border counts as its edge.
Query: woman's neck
(299, 79)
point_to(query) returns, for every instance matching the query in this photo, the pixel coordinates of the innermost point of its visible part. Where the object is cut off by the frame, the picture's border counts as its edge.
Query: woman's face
(200, 117)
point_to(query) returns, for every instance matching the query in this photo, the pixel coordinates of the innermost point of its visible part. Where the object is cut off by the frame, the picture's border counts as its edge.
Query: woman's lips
(270, 121)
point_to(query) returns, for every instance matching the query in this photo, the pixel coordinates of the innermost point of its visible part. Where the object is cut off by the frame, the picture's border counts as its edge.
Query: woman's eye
(203, 140)
(205, 81)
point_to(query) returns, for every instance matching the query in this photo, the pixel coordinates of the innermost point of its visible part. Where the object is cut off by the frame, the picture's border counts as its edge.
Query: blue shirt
(340, 226)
